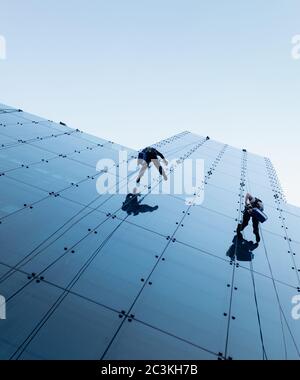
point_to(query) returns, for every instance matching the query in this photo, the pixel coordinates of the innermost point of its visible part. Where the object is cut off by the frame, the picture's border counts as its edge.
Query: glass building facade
(84, 279)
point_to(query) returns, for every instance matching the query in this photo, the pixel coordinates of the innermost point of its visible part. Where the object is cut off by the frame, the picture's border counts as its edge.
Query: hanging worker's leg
(142, 172)
(256, 229)
(160, 169)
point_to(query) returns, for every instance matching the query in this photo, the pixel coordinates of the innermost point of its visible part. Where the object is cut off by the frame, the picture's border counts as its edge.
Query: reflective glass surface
(86, 276)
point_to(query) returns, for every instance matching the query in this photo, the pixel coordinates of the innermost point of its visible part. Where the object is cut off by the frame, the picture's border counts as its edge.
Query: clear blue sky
(137, 71)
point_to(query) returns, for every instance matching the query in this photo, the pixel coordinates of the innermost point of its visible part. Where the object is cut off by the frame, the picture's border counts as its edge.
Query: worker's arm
(162, 157)
(159, 154)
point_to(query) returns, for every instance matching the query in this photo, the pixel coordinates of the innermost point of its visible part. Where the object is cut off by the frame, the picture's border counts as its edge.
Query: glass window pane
(23, 154)
(208, 231)
(142, 342)
(73, 332)
(15, 196)
(179, 290)
(115, 276)
(23, 231)
(24, 311)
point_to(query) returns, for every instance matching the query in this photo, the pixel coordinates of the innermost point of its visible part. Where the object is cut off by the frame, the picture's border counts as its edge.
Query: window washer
(254, 208)
(148, 155)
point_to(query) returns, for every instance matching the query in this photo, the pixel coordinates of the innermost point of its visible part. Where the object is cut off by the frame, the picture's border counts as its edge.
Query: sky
(138, 71)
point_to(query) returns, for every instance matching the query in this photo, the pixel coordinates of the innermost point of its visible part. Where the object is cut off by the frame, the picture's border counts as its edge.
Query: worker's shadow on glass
(134, 207)
(241, 249)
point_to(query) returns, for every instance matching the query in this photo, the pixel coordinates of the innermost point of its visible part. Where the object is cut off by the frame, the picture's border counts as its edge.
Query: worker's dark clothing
(246, 220)
(149, 154)
(254, 203)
